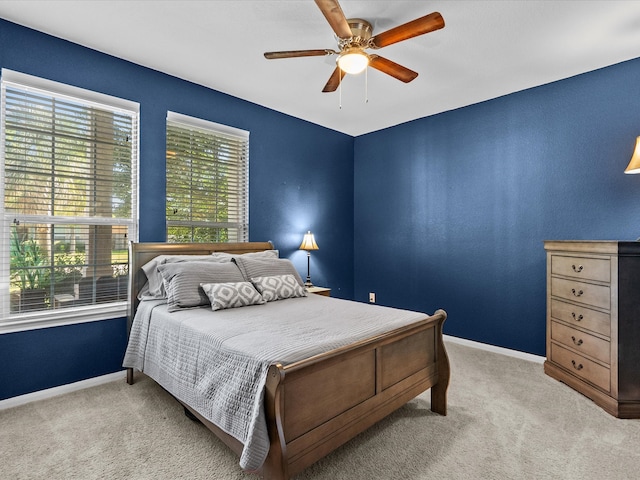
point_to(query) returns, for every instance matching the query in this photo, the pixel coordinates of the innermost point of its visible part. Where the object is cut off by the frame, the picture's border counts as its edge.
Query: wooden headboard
(141, 253)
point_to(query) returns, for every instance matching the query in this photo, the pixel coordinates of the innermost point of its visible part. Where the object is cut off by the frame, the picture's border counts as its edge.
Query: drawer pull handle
(579, 293)
(576, 342)
(577, 269)
(578, 318)
(577, 366)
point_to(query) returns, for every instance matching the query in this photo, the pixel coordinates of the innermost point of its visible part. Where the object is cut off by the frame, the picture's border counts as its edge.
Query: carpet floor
(506, 420)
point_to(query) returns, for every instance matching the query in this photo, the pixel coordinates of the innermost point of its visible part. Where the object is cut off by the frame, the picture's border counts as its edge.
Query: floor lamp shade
(308, 244)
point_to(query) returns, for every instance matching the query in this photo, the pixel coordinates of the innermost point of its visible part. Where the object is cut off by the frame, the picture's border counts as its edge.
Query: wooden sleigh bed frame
(314, 406)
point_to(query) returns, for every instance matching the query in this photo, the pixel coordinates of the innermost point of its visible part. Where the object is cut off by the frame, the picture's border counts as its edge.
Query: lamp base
(308, 283)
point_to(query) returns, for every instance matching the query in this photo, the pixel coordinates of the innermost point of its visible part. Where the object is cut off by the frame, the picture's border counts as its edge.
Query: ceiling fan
(355, 36)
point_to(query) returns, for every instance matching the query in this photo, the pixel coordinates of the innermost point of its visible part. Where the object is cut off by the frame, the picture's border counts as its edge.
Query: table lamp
(308, 244)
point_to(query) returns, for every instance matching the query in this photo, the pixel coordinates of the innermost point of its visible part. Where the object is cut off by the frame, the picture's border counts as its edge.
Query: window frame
(77, 314)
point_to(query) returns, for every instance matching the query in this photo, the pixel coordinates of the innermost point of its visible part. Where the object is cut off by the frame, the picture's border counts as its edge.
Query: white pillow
(231, 295)
(278, 287)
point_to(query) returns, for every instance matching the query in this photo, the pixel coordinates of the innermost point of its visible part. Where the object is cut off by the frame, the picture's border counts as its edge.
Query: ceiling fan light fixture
(354, 36)
(353, 61)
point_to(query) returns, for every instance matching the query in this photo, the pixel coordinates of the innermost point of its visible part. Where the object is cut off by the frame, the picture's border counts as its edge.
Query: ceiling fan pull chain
(366, 85)
(340, 92)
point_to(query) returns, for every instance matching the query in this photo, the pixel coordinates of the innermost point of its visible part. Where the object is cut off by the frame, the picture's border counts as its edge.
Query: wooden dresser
(593, 321)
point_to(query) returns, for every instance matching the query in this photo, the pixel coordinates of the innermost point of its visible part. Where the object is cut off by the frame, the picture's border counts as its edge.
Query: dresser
(593, 321)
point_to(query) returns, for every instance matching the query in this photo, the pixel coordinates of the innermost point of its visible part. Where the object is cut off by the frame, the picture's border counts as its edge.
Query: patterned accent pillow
(182, 281)
(231, 295)
(278, 287)
(266, 267)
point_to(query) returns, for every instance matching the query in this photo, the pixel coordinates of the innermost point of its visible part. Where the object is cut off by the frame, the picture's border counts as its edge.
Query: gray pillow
(278, 287)
(154, 288)
(232, 295)
(182, 281)
(266, 267)
(224, 256)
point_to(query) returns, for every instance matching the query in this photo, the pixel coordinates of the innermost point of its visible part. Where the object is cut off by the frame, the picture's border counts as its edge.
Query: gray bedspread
(216, 362)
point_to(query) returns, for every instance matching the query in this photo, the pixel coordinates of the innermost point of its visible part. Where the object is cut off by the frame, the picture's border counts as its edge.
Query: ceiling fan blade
(419, 26)
(333, 13)
(298, 53)
(392, 68)
(334, 81)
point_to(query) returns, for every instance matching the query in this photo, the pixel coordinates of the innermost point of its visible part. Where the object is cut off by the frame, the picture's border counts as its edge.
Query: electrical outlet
(372, 297)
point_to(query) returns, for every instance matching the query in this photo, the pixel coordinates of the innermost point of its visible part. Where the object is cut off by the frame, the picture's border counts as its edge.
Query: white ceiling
(486, 49)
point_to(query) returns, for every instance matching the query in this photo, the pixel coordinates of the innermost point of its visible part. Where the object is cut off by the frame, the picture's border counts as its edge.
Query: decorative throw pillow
(278, 287)
(182, 281)
(232, 295)
(266, 267)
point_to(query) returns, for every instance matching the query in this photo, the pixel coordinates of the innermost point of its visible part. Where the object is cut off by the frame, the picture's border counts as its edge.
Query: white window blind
(69, 189)
(207, 181)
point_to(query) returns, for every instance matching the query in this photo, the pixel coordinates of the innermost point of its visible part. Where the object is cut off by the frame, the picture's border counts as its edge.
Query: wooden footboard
(318, 404)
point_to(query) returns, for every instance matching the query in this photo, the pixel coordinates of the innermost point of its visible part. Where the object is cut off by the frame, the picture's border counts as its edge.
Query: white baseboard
(492, 348)
(62, 389)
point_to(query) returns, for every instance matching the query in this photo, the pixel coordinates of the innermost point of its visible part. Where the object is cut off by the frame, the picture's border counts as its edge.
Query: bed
(305, 401)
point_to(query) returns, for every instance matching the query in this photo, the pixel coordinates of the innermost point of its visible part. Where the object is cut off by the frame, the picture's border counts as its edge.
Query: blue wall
(471, 194)
(50, 357)
(301, 178)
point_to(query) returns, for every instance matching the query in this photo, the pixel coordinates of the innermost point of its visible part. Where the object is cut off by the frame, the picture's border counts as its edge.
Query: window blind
(69, 190)
(207, 184)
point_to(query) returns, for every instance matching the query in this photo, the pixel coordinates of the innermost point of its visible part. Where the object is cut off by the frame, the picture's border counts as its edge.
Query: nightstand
(326, 292)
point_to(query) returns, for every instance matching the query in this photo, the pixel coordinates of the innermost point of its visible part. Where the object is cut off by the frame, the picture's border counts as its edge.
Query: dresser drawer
(581, 366)
(582, 342)
(598, 269)
(582, 317)
(587, 293)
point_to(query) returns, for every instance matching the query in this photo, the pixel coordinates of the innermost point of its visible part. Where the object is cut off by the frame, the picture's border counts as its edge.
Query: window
(68, 181)
(207, 181)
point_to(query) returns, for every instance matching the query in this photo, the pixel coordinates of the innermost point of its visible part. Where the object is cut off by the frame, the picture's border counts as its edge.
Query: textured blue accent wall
(49, 357)
(451, 211)
(301, 178)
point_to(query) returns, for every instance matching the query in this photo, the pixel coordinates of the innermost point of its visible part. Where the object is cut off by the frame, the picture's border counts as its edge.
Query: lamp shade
(634, 164)
(309, 242)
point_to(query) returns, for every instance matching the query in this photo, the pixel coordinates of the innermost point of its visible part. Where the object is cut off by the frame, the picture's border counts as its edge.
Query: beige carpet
(506, 420)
